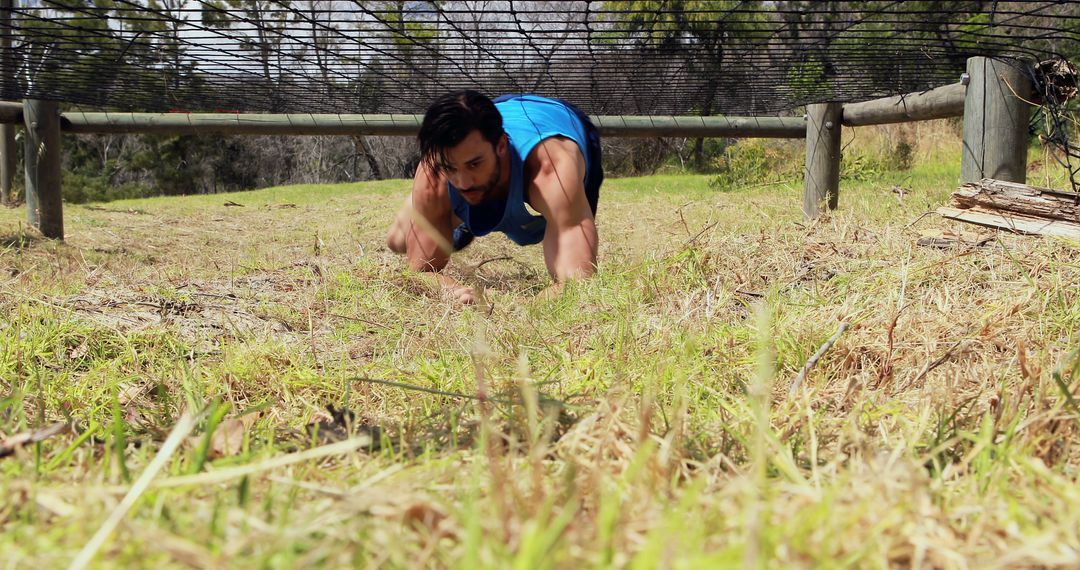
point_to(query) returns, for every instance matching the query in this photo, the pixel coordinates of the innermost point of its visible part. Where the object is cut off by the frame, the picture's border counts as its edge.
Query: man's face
(474, 167)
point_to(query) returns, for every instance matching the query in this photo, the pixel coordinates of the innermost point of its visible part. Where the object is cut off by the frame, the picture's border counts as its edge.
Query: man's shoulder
(551, 152)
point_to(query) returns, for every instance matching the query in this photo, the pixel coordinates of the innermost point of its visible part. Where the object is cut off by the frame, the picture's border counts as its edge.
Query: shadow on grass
(21, 240)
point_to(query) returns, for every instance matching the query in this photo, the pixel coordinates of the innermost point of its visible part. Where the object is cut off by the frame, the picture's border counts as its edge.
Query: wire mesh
(631, 57)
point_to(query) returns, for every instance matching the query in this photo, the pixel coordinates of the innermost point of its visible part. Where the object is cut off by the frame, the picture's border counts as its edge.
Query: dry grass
(641, 420)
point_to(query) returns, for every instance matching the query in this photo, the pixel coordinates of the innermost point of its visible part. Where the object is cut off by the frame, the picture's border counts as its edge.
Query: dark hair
(451, 118)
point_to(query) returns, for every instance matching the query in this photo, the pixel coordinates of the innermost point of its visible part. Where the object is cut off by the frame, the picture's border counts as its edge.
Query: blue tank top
(527, 120)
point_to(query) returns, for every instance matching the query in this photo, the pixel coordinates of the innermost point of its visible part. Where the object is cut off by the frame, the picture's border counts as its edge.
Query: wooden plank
(821, 186)
(995, 121)
(1016, 224)
(939, 103)
(997, 195)
(42, 156)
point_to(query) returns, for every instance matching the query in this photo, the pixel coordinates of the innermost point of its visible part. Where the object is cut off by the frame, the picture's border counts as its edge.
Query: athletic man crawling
(481, 162)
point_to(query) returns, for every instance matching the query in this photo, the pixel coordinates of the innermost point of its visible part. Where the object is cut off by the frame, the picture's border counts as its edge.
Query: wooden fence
(992, 97)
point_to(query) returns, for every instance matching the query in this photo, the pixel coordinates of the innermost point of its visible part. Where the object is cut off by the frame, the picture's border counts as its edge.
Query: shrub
(758, 161)
(860, 167)
(79, 188)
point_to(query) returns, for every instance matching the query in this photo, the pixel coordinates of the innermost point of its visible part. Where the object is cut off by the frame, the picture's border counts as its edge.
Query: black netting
(640, 57)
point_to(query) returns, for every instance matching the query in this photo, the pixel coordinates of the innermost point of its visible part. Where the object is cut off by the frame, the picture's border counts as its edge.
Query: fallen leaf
(129, 392)
(949, 239)
(228, 438)
(80, 351)
(422, 515)
(138, 421)
(53, 504)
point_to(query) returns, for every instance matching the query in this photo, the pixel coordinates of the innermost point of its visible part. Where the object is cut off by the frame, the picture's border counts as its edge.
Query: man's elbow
(395, 242)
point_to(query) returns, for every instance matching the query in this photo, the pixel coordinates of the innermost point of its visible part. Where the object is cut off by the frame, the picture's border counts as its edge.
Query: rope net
(626, 57)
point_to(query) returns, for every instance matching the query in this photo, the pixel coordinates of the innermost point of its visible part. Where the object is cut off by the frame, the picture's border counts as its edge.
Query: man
(481, 162)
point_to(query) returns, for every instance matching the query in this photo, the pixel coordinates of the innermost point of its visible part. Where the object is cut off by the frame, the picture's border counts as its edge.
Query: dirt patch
(256, 305)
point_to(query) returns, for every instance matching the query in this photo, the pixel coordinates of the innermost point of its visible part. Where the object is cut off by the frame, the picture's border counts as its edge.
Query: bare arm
(557, 191)
(428, 240)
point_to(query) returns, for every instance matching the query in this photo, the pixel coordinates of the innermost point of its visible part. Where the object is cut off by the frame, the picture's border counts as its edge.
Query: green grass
(641, 420)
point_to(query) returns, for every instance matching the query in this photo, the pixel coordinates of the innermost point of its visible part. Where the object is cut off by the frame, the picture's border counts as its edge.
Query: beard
(480, 193)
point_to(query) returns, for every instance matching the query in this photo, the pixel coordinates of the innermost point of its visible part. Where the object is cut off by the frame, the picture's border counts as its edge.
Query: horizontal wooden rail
(938, 103)
(11, 113)
(239, 124)
(393, 125)
(942, 102)
(749, 127)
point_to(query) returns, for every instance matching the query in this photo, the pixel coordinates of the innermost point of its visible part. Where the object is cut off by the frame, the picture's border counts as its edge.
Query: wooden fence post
(8, 162)
(822, 174)
(42, 155)
(7, 132)
(996, 115)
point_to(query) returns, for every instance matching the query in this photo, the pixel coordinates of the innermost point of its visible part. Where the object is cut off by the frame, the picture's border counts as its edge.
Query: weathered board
(1016, 207)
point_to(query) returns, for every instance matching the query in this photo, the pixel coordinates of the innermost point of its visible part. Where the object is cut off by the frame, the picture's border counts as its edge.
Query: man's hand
(448, 287)
(456, 291)
(552, 291)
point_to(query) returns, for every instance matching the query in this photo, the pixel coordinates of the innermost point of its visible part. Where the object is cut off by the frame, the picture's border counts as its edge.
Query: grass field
(644, 419)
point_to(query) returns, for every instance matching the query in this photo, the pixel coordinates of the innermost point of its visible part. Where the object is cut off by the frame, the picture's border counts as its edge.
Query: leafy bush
(860, 167)
(866, 156)
(78, 188)
(758, 161)
(903, 156)
(870, 161)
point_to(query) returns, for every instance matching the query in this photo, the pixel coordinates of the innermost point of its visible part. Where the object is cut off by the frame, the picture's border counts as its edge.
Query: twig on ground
(919, 219)
(937, 362)
(694, 239)
(113, 210)
(814, 359)
(491, 259)
(359, 320)
(437, 392)
(8, 445)
(683, 218)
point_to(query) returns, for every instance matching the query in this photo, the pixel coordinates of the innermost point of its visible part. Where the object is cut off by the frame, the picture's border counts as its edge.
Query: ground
(643, 419)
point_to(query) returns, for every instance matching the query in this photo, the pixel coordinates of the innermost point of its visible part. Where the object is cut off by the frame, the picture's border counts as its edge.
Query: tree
(715, 29)
(263, 23)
